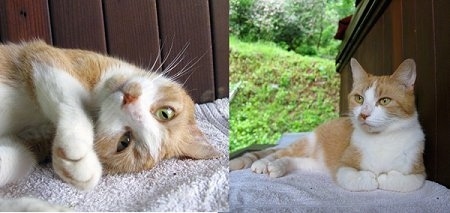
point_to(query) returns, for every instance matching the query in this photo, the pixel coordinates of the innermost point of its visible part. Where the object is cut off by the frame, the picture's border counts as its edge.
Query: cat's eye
(384, 101)
(165, 113)
(124, 141)
(359, 99)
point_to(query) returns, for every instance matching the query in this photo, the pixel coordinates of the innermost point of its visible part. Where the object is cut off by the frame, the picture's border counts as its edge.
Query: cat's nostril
(127, 98)
(363, 116)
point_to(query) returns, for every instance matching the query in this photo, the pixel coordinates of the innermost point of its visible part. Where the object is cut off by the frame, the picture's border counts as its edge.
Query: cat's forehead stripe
(370, 92)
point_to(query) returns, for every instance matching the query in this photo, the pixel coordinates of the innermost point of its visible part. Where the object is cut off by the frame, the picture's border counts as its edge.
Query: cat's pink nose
(127, 98)
(363, 116)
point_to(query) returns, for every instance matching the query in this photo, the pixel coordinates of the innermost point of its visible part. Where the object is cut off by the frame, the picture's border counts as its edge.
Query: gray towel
(173, 185)
(316, 192)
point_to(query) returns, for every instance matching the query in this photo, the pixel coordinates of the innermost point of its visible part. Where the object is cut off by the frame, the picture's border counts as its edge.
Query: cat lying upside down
(89, 113)
(379, 146)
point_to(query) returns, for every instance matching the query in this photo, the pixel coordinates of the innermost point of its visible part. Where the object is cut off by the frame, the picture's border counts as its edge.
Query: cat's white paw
(74, 158)
(260, 166)
(396, 181)
(30, 205)
(276, 169)
(83, 173)
(75, 161)
(353, 180)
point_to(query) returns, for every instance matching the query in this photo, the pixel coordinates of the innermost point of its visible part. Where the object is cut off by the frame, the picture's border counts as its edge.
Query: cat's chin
(371, 129)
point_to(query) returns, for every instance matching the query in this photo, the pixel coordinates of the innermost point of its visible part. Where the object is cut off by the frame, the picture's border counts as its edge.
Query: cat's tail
(246, 160)
(16, 161)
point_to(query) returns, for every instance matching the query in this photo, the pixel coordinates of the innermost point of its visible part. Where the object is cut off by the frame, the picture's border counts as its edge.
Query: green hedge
(279, 91)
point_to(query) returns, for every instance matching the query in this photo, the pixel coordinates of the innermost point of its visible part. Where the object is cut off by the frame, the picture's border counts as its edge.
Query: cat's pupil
(165, 115)
(124, 142)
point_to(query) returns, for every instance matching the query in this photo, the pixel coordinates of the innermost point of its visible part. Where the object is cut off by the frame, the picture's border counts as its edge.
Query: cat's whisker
(177, 60)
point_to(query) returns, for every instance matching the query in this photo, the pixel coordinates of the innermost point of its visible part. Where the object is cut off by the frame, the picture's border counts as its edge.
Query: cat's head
(143, 118)
(378, 103)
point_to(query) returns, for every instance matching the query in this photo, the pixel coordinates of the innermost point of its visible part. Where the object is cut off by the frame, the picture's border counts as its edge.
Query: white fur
(396, 181)
(396, 148)
(135, 115)
(16, 161)
(63, 99)
(389, 150)
(353, 180)
(279, 167)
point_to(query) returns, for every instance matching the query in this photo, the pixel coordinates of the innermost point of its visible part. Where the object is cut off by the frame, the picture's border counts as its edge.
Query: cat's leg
(396, 181)
(63, 100)
(246, 160)
(281, 166)
(284, 159)
(16, 161)
(355, 180)
(27, 204)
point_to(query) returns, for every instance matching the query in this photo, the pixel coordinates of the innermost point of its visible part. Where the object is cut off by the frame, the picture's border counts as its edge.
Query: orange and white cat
(379, 146)
(89, 113)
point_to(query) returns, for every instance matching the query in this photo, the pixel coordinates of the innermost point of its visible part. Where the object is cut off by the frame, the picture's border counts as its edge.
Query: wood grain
(24, 20)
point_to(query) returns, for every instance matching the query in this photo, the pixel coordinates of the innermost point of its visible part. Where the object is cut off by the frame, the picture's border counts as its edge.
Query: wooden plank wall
(415, 29)
(142, 32)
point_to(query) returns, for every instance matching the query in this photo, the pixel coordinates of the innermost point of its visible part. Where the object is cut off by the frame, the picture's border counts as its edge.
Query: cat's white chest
(381, 153)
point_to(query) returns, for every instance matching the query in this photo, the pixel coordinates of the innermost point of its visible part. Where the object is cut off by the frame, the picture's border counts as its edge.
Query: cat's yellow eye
(384, 101)
(164, 113)
(359, 99)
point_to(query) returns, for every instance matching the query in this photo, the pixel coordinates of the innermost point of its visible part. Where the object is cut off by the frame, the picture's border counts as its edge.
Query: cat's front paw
(354, 180)
(396, 181)
(83, 173)
(260, 166)
(276, 169)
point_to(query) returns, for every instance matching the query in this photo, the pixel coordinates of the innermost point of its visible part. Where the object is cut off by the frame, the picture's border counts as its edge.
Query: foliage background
(282, 67)
(306, 27)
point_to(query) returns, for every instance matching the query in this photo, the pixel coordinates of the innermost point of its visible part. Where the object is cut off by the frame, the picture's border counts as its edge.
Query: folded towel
(301, 191)
(173, 185)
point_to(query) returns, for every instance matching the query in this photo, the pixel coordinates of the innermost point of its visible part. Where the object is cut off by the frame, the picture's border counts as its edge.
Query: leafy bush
(279, 92)
(304, 26)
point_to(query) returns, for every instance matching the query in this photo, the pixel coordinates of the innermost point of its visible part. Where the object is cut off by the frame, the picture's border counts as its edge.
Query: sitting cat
(379, 146)
(89, 113)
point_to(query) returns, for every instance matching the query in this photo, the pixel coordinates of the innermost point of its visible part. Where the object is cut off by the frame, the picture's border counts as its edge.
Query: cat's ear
(406, 73)
(359, 74)
(197, 146)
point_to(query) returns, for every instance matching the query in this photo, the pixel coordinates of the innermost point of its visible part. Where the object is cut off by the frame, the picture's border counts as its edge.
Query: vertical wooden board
(393, 36)
(442, 30)
(184, 23)
(24, 20)
(220, 38)
(346, 87)
(370, 53)
(132, 31)
(78, 24)
(426, 80)
(409, 36)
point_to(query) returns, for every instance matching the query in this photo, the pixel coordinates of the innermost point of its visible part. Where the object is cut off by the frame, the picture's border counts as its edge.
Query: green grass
(279, 91)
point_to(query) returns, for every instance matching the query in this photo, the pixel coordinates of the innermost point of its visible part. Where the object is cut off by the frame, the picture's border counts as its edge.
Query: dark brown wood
(366, 15)
(78, 24)
(219, 21)
(22, 20)
(132, 31)
(426, 81)
(185, 27)
(442, 47)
